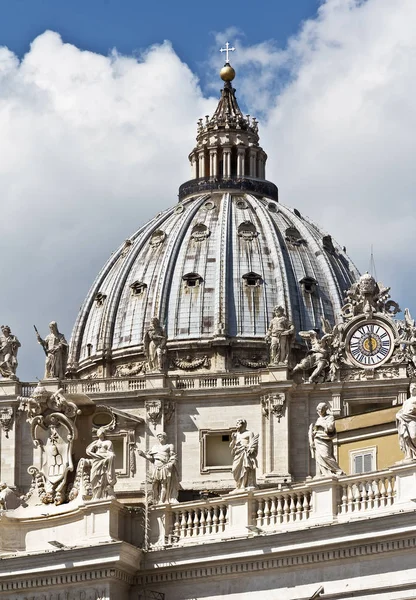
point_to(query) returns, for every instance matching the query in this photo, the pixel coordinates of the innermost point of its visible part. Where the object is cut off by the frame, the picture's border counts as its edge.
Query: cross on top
(227, 49)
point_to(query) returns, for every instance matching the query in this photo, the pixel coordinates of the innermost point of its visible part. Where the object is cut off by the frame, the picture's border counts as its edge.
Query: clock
(370, 344)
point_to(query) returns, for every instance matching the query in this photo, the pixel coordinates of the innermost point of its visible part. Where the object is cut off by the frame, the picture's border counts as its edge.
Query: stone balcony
(317, 502)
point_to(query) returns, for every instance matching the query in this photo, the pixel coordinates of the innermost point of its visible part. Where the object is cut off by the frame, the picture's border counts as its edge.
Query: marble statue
(9, 345)
(165, 477)
(280, 336)
(103, 473)
(318, 357)
(244, 447)
(9, 500)
(56, 350)
(406, 425)
(154, 343)
(321, 434)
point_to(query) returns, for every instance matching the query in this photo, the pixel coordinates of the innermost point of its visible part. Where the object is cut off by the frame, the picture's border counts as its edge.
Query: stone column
(253, 172)
(240, 162)
(227, 162)
(194, 167)
(201, 158)
(213, 169)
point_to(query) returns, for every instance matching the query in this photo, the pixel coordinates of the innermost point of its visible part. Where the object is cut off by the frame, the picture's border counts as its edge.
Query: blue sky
(95, 143)
(133, 25)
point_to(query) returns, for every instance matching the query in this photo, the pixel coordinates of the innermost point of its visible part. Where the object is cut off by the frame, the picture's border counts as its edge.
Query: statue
(280, 336)
(318, 357)
(56, 350)
(408, 337)
(321, 434)
(9, 500)
(9, 345)
(406, 425)
(103, 474)
(165, 477)
(154, 343)
(244, 447)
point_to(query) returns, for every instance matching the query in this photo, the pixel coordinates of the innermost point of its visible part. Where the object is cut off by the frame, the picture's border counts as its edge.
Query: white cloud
(93, 146)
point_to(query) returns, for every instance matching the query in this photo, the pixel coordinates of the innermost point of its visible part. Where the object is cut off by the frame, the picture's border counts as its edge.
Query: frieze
(252, 362)
(190, 364)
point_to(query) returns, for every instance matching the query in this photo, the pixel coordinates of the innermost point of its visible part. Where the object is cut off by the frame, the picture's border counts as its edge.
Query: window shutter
(368, 463)
(358, 464)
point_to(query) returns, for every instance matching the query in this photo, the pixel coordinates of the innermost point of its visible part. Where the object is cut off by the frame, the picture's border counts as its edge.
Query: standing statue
(408, 337)
(406, 425)
(165, 477)
(103, 474)
(154, 343)
(280, 337)
(321, 434)
(9, 345)
(56, 350)
(244, 447)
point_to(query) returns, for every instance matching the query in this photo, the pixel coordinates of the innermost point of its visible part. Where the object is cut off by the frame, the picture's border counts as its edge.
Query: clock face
(370, 344)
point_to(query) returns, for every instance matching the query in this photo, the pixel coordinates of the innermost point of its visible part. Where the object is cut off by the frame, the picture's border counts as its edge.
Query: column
(213, 163)
(252, 164)
(227, 162)
(194, 167)
(201, 157)
(240, 162)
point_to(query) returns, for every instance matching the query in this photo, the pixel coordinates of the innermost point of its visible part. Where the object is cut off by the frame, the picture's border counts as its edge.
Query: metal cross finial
(227, 49)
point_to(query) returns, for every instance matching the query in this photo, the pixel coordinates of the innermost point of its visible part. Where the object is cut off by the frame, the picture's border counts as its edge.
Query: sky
(98, 108)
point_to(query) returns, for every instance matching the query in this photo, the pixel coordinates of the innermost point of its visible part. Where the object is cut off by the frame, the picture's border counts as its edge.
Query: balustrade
(284, 507)
(376, 490)
(204, 520)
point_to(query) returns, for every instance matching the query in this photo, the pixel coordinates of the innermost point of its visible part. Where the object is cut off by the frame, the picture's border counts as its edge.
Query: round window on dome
(179, 209)
(241, 204)
(209, 205)
(157, 238)
(272, 207)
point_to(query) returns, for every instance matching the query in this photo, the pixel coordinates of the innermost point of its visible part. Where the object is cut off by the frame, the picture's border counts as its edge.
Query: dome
(212, 267)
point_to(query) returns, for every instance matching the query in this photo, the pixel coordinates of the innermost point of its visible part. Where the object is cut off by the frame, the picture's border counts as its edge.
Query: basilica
(232, 416)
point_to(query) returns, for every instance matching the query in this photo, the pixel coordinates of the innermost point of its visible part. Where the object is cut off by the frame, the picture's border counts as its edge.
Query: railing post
(160, 518)
(405, 485)
(324, 500)
(240, 510)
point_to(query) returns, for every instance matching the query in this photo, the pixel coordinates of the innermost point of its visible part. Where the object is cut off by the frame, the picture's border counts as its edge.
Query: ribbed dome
(213, 267)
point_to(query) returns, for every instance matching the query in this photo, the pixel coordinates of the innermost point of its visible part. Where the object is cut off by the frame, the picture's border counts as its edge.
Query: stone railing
(145, 382)
(323, 501)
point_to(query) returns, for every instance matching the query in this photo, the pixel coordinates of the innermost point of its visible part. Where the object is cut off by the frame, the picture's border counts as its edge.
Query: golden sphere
(227, 73)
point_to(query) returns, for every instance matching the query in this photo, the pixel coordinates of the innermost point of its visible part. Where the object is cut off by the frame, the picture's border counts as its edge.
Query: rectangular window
(363, 460)
(215, 450)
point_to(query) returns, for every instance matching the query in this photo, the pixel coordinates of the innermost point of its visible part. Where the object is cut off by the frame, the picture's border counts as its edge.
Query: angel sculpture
(408, 337)
(318, 357)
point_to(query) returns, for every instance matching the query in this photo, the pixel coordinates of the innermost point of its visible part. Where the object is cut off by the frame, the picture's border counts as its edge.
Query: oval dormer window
(247, 231)
(200, 232)
(192, 280)
(252, 279)
(293, 236)
(138, 288)
(157, 238)
(308, 285)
